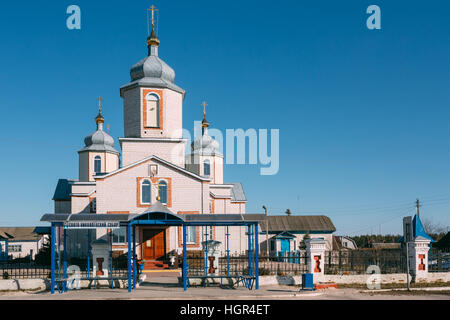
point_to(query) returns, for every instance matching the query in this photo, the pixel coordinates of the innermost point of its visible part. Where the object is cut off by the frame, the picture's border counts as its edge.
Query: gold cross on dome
(204, 104)
(99, 99)
(153, 9)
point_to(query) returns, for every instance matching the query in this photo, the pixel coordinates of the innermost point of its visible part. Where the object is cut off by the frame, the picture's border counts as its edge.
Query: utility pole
(267, 233)
(417, 206)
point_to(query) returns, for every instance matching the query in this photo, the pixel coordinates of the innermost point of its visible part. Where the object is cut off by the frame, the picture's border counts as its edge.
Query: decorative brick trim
(153, 181)
(118, 212)
(145, 92)
(197, 243)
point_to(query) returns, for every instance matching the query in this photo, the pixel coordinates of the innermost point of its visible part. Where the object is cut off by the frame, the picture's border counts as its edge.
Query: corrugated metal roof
(299, 223)
(20, 233)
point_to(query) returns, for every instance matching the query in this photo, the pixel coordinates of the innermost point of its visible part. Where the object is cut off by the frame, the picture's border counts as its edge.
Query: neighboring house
(390, 245)
(23, 241)
(444, 243)
(344, 243)
(285, 233)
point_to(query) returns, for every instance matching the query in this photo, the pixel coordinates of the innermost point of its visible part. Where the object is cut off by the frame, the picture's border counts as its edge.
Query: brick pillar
(315, 252)
(418, 257)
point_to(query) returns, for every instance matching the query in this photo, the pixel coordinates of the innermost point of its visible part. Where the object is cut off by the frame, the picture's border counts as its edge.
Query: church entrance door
(153, 244)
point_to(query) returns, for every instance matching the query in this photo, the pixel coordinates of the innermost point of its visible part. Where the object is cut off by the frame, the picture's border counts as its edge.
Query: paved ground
(166, 288)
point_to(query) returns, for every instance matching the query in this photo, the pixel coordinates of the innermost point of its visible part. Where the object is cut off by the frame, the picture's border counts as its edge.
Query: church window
(152, 111)
(206, 168)
(118, 235)
(191, 234)
(163, 196)
(97, 164)
(146, 191)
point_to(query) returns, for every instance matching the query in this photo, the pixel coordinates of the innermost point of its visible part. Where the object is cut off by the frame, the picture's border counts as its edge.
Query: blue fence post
(59, 253)
(52, 257)
(228, 252)
(110, 259)
(134, 257)
(256, 257)
(129, 257)
(249, 250)
(89, 255)
(184, 259)
(65, 260)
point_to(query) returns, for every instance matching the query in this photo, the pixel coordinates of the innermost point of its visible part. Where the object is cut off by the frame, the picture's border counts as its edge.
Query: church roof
(63, 190)
(152, 71)
(167, 163)
(237, 192)
(99, 141)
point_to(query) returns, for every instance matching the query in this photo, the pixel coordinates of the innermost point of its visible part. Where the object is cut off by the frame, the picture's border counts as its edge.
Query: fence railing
(439, 260)
(292, 263)
(357, 261)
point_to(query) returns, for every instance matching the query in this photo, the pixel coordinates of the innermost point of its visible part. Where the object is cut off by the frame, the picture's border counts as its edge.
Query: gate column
(315, 253)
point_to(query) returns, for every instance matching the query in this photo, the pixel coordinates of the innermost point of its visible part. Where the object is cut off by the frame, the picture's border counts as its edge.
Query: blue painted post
(129, 257)
(249, 250)
(59, 253)
(256, 257)
(110, 259)
(89, 254)
(52, 257)
(228, 252)
(134, 257)
(7, 249)
(205, 255)
(65, 260)
(184, 259)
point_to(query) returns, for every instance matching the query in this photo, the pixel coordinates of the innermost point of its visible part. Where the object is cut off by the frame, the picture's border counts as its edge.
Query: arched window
(206, 168)
(146, 192)
(152, 111)
(97, 164)
(163, 196)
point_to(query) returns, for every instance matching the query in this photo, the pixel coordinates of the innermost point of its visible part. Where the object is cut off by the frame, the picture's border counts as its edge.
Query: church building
(153, 173)
(151, 169)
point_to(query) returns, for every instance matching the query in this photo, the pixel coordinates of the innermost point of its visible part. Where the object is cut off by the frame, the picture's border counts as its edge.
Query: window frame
(207, 163)
(97, 160)
(158, 107)
(142, 191)
(166, 190)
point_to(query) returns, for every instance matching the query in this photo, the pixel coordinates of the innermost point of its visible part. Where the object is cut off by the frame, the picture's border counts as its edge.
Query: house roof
(20, 233)
(299, 223)
(389, 245)
(444, 242)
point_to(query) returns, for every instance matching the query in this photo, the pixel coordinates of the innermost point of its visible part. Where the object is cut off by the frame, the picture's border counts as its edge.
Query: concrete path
(167, 288)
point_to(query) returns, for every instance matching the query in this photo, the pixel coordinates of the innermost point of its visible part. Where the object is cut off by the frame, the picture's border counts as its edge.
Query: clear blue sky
(363, 115)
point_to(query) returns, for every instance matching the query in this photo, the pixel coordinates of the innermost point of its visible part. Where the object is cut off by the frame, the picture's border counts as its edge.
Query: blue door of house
(285, 246)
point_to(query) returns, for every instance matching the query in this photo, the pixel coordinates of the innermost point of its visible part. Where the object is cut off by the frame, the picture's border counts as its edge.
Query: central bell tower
(153, 109)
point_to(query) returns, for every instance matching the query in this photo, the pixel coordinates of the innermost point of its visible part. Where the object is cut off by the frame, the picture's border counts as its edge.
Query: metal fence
(439, 260)
(293, 263)
(357, 261)
(23, 270)
(17, 269)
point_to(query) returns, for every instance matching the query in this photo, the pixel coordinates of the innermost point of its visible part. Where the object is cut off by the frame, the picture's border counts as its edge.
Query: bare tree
(433, 228)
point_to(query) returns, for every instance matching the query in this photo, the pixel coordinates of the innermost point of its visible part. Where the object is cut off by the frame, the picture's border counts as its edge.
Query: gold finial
(205, 123)
(99, 99)
(153, 9)
(99, 118)
(152, 39)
